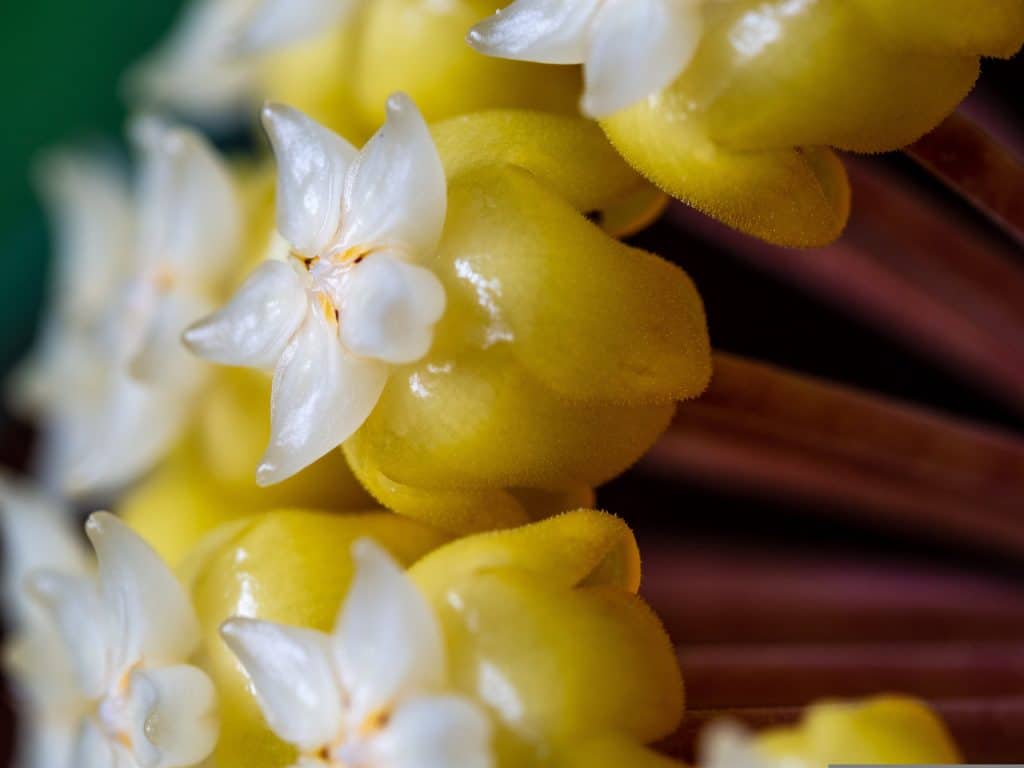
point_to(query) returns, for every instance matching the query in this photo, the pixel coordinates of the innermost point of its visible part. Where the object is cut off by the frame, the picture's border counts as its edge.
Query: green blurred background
(60, 67)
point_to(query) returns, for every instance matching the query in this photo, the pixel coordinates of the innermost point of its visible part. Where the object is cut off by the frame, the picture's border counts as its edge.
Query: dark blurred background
(776, 583)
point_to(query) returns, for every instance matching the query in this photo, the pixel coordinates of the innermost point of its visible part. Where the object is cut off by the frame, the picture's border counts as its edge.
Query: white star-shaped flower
(133, 702)
(111, 381)
(630, 49)
(37, 533)
(353, 299)
(371, 694)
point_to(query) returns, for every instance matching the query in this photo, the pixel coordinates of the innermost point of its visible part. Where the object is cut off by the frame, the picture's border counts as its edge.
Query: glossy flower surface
(128, 632)
(371, 693)
(510, 390)
(630, 49)
(540, 628)
(733, 107)
(353, 300)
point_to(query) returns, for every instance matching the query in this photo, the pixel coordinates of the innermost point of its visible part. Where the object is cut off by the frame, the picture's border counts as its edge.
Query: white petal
(436, 732)
(546, 31)
(151, 618)
(94, 750)
(192, 69)
(387, 642)
(278, 23)
(90, 207)
(77, 612)
(390, 308)
(638, 48)
(311, 165)
(292, 677)
(174, 721)
(321, 395)
(45, 744)
(396, 193)
(160, 357)
(190, 217)
(254, 328)
(124, 434)
(37, 533)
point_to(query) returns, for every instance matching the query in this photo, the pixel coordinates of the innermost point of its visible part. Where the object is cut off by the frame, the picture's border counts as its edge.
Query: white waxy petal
(396, 193)
(123, 435)
(45, 744)
(77, 613)
(174, 716)
(161, 358)
(293, 679)
(312, 162)
(278, 23)
(93, 749)
(390, 309)
(321, 396)
(190, 217)
(151, 618)
(254, 328)
(435, 732)
(387, 642)
(545, 31)
(90, 206)
(638, 48)
(192, 69)
(37, 533)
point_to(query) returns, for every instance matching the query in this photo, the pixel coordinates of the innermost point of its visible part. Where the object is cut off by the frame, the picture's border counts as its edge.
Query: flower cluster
(418, 302)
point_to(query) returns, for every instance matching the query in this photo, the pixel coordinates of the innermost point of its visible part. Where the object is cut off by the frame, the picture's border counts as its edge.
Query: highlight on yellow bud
(558, 665)
(886, 729)
(287, 566)
(557, 363)
(744, 132)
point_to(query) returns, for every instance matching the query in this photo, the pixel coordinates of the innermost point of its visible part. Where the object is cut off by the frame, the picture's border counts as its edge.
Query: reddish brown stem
(797, 675)
(766, 431)
(715, 595)
(914, 270)
(974, 164)
(989, 730)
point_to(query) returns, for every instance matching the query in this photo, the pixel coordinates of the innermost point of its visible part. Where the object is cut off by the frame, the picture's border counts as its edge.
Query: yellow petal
(581, 547)
(176, 506)
(886, 729)
(822, 77)
(789, 197)
(556, 665)
(316, 77)
(479, 422)
(291, 567)
(419, 48)
(570, 154)
(960, 27)
(590, 318)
